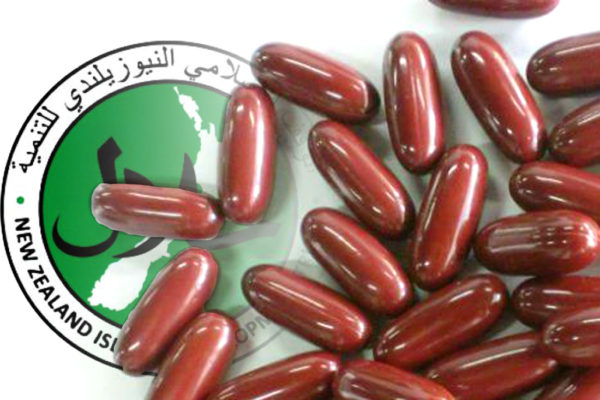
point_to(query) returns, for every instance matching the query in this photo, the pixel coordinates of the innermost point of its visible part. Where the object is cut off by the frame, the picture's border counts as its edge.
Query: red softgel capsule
(248, 155)
(175, 297)
(567, 66)
(306, 307)
(540, 243)
(499, 97)
(544, 185)
(575, 140)
(500, 8)
(303, 377)
(448, 218)
(573, 337)
(575, 384)
(371, 380)
(315, 81)
(198, 360)
(156, 211)
(366, 270)
(537, 299)
(413, 102)
(430, 329)
(367, 186)
(495, 370)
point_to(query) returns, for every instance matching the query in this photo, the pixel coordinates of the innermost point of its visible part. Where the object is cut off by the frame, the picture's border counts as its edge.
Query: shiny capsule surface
(303, 377)
(576, 384)
(306, 307)
(371, 380)
(366, 270)
(430, 329)
(544, 185)
(198, 360)
(413, 102)
(156, 211)
(495, 370)
(315, 81)
(175, 297)
(576, 139)
(367, 186)
(248, 153)
(539, 243)
(573, 337)
(499, 97)
(567, 66)
(535, 300)
(500, 8)
(448, 218)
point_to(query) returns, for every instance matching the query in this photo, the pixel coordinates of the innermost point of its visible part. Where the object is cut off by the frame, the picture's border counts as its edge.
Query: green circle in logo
(161, 134)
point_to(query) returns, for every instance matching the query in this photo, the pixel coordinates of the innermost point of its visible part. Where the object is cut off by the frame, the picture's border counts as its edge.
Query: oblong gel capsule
(198, 359)
(430, 329)
(367, 186)
(413, 102)
(544, 185)
(366, 270)
(175, 297)
(499, 97)
(306, 307)
(576, 139)
(573, 337)
(448, 218)
(567, 66)
(156, 211)
(303, 377)
(316, 82)
(537, 299)
(575, 384)
(540, 243)
(372, 380)
(495, 370)
(248, 155)
(500, 8)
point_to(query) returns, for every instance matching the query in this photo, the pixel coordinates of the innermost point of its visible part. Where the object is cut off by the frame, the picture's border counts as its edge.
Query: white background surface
(42, 42)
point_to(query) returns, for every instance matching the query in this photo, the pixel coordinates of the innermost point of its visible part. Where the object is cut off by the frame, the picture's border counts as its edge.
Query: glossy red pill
(546, 185)
(306, 307)
(535, 300)
(495, 370)
(248, 155)
(315, 81)
(156, 211)
(371, 380)
(198, 360)
(176, 296)
(413, 102)
(366, 270)
(431, 330)
(358, 176)
(500, 8)
(573, 337)
(448, 218)
(539, 243)
(576, 384)
(576, 139)
(567, 66)
(303, 377)
(499, 97)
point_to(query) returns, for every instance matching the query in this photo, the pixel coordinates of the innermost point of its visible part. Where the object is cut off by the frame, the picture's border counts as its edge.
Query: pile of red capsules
(192, 349)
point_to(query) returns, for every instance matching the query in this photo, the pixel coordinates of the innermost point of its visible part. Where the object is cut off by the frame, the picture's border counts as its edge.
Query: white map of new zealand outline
(123, 280)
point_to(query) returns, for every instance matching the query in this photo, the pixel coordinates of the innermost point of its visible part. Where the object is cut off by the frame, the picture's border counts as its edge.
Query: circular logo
(148, 114)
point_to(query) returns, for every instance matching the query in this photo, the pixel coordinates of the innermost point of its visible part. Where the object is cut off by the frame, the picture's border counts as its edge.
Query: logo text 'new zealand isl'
(150, 114)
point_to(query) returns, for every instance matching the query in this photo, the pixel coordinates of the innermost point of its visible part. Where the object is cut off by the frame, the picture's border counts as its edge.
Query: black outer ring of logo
(14, 146)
